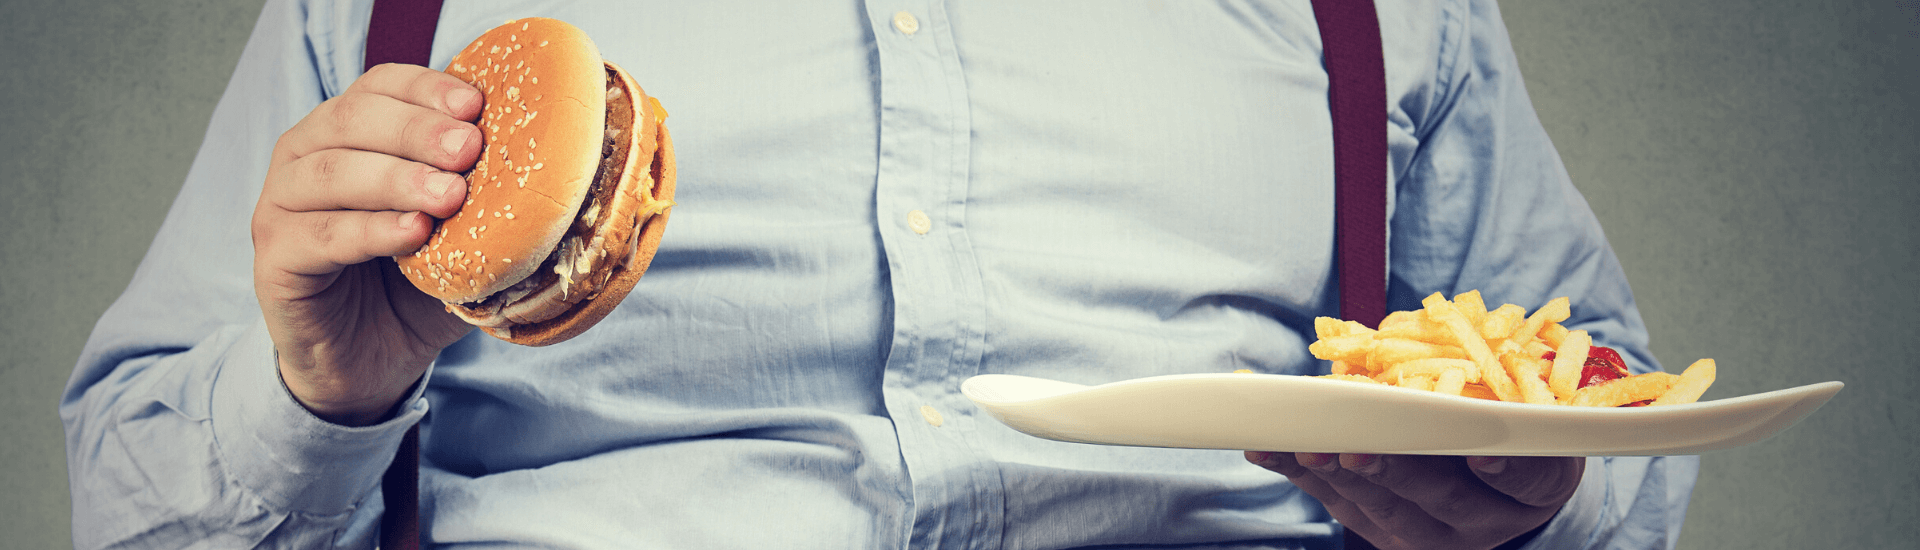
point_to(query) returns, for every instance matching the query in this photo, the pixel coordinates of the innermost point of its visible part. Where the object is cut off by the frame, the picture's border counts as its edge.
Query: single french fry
(1328, 327)
(1388, 351)
(1470, 305)
(1553, 334)
(1433, 367)
(1478, 391)
(1619, 392)
(1402, 320)
(1491, 373)
(1452, 381)
(1349, 347)
(1692, 383)
(1416, 382)
(1568, 362)
(1345, 367)
(1419, 328)
(1526, 372)
(1354, 327)
(1555, 311)
(1501, 323)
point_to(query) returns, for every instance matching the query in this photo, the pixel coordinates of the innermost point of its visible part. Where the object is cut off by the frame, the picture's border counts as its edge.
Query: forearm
(168, 451)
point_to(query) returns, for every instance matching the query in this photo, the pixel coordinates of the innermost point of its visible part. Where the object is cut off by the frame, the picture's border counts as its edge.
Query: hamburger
(567, 202)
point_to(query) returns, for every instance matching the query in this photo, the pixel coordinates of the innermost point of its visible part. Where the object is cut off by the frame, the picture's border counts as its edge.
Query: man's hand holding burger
(363, 176)
(1432, 502)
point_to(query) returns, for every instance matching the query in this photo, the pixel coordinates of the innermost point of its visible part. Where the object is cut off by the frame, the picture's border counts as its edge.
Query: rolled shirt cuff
(279, 450)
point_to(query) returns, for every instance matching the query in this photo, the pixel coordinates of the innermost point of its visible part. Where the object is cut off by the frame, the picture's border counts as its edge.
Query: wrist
(356, 411)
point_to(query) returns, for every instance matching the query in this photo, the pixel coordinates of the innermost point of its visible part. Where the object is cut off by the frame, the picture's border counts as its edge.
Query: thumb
(1531, 480)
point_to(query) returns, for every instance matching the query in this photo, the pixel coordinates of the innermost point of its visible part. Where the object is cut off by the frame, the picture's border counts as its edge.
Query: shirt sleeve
(179, 431)
(1485, 203)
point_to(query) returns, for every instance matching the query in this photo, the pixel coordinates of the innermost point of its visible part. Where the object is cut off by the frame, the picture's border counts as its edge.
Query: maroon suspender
(401, 31)
(1357, 96)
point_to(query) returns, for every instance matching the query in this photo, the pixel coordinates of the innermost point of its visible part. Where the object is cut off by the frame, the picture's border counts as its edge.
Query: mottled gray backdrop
(1754, 162)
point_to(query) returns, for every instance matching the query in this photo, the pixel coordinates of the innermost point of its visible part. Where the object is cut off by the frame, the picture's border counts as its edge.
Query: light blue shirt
(1112, 190)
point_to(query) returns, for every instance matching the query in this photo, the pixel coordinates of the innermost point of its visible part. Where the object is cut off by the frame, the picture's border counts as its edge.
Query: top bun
(542, 129)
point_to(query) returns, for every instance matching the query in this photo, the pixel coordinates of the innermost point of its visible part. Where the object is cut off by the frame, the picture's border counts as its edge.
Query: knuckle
(380, 73)
(260, 229)
(340, 113)
(324, 230)
(323, 168)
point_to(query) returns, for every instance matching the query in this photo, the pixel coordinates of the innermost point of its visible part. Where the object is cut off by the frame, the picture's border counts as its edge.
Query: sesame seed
(523, 26)
(509, 215)
(539, 165)
(496, 214)
(495, 49)
(543, 43)
(531, 144)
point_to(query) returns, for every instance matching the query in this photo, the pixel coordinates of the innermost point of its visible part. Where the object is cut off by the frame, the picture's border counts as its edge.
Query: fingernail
(1364, 464)
(1488, 464)
(1259, 457)
(1318, 461)
(455, 140)
(438, 183)
(459, 97)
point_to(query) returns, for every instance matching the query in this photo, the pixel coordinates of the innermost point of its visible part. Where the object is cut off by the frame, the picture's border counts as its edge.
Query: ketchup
(1603, 365)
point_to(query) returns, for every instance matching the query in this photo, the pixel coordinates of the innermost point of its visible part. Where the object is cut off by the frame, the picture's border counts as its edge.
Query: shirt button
(906, 23)
(932, 416)
(919, 222)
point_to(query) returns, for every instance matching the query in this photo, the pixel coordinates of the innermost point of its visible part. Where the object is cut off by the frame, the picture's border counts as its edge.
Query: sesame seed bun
(567, 201)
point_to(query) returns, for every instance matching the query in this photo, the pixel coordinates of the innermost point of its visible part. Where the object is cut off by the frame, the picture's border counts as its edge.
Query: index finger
(398, 110)
(421, 86)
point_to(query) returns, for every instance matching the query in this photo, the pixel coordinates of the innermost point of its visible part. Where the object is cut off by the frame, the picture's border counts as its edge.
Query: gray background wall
(1753, 161)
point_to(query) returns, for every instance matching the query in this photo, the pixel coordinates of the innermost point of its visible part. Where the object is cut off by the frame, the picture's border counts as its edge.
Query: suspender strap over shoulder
(401, 31)
(1357, 97)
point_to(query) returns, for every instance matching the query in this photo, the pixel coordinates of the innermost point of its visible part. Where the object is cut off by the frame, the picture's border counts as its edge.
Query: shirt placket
(938, 312)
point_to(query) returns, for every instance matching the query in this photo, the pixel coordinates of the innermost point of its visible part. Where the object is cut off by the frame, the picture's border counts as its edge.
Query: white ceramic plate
(1295, 413)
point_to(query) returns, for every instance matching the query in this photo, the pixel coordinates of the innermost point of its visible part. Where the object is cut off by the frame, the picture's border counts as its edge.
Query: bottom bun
(590, 311)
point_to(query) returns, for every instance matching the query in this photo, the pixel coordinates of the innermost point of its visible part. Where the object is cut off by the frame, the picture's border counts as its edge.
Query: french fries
(1460, 347)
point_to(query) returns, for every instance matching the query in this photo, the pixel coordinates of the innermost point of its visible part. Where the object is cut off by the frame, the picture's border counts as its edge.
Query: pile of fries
(1458, 347)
